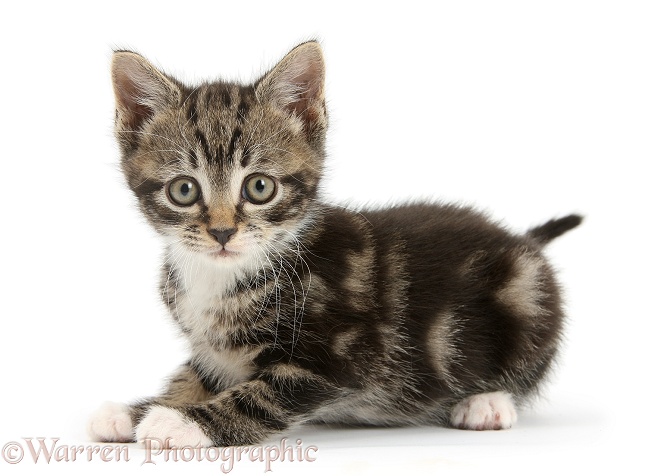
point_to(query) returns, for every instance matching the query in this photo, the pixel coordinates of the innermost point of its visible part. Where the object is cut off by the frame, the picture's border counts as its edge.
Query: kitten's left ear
(140, 89)
(297, 85)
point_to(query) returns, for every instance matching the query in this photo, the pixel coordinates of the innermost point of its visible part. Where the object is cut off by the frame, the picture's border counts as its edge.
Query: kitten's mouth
(223, 253)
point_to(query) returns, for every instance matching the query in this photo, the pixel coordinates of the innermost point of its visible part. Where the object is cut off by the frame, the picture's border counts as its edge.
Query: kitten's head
(225, 170)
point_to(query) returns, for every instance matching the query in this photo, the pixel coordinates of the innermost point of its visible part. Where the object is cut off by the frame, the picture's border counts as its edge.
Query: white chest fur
(207, 312)
(204, 285)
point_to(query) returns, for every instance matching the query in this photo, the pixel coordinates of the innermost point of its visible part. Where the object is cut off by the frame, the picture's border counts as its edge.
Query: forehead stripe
(199, 135)
(237, 133)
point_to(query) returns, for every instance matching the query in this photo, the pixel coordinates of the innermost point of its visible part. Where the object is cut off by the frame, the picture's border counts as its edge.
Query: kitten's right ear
(140, 90)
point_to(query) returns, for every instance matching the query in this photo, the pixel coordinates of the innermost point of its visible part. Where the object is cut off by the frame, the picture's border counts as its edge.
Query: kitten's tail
(554, 228)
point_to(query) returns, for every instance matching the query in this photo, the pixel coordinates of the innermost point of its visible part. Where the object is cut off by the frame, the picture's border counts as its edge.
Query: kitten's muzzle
(222, 236)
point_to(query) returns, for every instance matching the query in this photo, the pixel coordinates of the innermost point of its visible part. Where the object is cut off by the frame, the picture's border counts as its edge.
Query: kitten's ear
(140, 89)
(297, 85)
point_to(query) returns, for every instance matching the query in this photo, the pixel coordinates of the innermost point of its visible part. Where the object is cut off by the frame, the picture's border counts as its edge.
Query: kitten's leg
(116, 421)
(485, 411)
(242, 415)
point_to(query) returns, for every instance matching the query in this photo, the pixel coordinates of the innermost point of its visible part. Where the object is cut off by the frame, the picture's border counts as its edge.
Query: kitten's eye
(259, 189)
(183, 191)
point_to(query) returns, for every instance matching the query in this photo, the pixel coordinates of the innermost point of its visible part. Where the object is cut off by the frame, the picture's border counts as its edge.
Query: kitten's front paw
(486, 411)
(111, 422)
(165, 427)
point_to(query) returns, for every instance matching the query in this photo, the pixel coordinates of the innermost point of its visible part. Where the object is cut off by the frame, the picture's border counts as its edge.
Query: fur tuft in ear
(297, 85)
(140, 89)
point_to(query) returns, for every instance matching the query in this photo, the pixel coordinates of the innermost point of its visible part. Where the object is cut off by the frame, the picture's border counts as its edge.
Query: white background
(528, 110)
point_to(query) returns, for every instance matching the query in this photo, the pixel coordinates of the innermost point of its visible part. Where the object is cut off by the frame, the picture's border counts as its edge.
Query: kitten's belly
(366, 408)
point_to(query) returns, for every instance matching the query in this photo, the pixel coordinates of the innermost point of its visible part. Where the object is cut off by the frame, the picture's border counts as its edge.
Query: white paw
(486, 411)
(111, 422)
(164, 427)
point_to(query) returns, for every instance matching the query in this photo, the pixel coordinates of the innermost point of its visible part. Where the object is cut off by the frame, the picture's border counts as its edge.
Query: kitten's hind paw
(165, 427)
(485, 411)
(111, 422)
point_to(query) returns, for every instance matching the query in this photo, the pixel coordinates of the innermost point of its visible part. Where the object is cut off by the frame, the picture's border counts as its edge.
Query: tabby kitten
(298, 311)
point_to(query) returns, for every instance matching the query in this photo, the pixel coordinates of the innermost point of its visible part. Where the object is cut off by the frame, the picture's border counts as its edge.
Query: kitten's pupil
(185, 189)
(260, 185)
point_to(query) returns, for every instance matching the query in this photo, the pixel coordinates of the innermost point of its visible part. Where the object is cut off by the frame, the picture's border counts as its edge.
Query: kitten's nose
(222, 236)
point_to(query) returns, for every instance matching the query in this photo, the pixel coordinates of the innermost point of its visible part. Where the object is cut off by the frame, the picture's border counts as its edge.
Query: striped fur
(413, 314)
